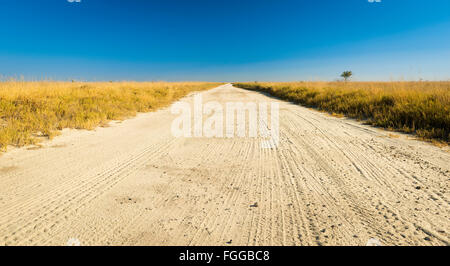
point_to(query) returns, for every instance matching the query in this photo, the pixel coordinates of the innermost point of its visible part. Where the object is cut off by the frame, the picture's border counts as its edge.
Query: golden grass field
(32, 110)
(420, 108)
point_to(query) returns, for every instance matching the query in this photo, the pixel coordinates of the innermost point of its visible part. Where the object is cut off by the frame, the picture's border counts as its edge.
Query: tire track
(330, 181)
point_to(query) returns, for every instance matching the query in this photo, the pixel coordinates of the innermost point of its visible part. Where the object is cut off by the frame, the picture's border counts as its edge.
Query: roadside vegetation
(30, 111)
(420, 108)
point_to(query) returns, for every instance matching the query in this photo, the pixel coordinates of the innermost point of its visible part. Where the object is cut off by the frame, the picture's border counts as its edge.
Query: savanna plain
(96, 162)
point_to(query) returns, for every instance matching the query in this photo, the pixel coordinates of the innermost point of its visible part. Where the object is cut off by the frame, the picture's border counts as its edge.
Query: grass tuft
(420, 108)
(32, 110)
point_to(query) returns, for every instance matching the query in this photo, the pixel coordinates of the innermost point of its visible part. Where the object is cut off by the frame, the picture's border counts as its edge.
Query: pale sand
(332, 181)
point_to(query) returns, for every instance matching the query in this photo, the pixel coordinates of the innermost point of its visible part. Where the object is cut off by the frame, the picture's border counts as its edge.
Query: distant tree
(346, 75)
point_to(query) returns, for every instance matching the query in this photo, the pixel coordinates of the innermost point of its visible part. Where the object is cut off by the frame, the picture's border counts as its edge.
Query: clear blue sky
(225, 40)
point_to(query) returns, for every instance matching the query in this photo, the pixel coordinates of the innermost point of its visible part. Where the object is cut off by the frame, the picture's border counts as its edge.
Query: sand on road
(331, 181)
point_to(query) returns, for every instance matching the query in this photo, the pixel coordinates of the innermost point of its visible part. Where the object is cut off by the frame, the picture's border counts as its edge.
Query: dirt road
(331, 181)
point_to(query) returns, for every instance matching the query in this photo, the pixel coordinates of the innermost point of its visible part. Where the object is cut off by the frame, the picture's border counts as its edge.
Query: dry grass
(421, 108)
(32, 110)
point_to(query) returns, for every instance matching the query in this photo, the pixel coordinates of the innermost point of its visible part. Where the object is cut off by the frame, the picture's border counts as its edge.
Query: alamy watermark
(191, 122)
(73, 242)
(374, 242)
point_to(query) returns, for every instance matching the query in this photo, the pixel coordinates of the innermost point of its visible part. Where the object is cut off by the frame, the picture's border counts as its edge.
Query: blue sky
(225, 40)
